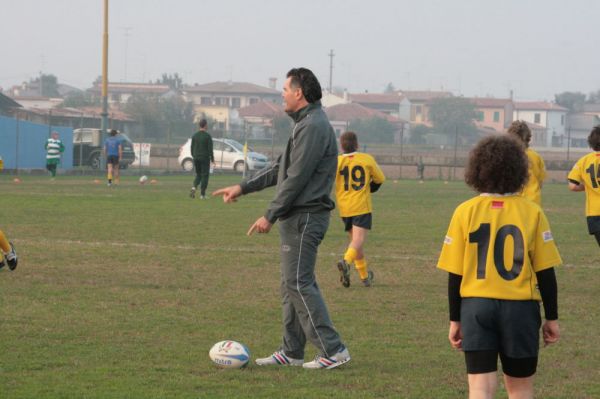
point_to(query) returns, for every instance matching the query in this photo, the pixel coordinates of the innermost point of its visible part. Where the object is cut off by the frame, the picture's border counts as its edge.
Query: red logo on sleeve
(497, 204)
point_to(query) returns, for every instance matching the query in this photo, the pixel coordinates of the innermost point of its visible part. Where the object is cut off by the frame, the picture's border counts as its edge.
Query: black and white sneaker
(11, 257)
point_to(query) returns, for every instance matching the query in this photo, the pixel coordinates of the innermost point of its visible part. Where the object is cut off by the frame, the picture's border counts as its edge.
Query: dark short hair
(594, 138)
(308, 82)
(349, 142)
(203, 123)
(521, 130)
(498, 164)
(114, 132)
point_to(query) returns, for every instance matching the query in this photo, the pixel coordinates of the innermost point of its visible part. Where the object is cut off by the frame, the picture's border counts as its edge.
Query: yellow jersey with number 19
(497, 243)
(355, 172)
(587, 171)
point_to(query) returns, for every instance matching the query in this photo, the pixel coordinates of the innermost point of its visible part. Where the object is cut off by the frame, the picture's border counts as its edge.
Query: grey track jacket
(305, 172)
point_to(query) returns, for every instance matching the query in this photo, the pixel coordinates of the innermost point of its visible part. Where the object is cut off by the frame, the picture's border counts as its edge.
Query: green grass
(121, 292)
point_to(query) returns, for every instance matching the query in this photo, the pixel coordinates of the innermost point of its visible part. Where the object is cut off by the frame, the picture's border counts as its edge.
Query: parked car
(229, 154)
(87, 148)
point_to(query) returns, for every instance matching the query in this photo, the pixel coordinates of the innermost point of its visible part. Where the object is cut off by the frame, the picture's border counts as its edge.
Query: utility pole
(331, 55)
(104, 114)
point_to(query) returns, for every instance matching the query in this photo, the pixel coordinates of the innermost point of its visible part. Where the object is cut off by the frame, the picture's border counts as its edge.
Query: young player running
(498, 250)
(585, 176)
(7, 253)
(358, 175)
(537, 169)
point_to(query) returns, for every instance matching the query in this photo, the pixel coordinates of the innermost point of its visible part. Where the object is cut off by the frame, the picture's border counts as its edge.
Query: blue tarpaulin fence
(22, 144)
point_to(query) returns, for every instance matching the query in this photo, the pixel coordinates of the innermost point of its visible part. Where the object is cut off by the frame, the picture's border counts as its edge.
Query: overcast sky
(472, 47)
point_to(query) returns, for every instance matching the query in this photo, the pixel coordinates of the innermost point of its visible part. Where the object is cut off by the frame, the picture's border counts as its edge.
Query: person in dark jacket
(304, 175)
(202, 153)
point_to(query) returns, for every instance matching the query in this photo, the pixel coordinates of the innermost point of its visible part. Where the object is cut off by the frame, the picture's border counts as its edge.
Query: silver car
(229, 154)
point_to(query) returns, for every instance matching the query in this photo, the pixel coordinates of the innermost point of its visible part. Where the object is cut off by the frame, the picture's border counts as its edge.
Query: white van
(229, 154)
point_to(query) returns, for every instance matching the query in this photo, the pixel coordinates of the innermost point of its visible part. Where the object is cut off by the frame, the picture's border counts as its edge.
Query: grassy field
(121, 292)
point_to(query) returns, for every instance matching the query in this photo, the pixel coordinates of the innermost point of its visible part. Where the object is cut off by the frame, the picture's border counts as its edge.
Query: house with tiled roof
(417, 111)
(221, 100)
(389, 104)
(493, 113)
(341, 115)
(549, 115)
(119, 93)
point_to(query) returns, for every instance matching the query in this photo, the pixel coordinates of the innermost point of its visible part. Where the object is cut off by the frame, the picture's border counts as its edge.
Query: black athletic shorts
(112, 159)
(509, 328)
(363, 221)
(593, 223)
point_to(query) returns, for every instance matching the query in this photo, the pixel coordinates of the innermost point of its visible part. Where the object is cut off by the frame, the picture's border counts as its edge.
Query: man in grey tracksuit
(304, 175)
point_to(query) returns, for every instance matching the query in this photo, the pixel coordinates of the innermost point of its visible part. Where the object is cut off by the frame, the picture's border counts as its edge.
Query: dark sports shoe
(344, 269)
(11, 257)
(367, 282)
(193, 193)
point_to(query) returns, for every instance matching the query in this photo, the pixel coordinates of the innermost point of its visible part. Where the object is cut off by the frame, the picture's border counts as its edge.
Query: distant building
(493, 113)
(120, 93)
(417, 107)
(549, 115)
(221, 100)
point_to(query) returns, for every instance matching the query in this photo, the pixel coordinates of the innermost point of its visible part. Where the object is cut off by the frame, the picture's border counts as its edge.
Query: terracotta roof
(539, 106)
(424, 95)
(230, 87)
(132, 88)
(484, 102)
(375, 98)
(594, 108)
(353, 111)
(264, 109)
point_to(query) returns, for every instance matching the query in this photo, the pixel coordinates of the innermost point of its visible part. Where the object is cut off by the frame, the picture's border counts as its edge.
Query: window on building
(496, 116)
(236, 102)
(480, 116)
(419, 109)
(537, 117)
(253, 100)
(221, 101)
(205, 101)
(562, 120)
(116, 97)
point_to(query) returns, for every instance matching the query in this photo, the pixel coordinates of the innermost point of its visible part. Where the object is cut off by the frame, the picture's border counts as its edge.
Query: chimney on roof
(346, 96)
(511, 94)
(272, 83)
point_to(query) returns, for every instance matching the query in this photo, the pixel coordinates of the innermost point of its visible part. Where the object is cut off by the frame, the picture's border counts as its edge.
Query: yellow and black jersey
(587, 172)
(355, 173)
(537, 174)
(497, 243)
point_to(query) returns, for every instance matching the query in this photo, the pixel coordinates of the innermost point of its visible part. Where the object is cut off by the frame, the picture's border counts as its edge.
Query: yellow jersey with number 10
(497, 244)
(355, 172)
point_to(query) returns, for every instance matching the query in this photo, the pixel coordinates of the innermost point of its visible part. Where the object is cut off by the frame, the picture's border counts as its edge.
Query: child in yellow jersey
(585, 176)
(498, 250)
(537, 169)
(358, 175)
(7, 253)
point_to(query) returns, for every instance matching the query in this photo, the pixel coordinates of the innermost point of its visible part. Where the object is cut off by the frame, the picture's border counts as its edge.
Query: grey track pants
(305, 314)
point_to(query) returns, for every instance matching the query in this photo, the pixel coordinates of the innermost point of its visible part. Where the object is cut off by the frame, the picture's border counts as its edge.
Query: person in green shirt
(202, 153)
(54, 149)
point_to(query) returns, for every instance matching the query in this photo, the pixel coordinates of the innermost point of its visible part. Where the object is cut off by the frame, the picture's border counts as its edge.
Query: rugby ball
(229, 355)
(143, 179)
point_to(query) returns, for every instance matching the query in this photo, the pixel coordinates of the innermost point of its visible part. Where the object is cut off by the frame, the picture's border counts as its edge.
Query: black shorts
(508, 328)
(112, 159)
(365, 221)
(593, 223)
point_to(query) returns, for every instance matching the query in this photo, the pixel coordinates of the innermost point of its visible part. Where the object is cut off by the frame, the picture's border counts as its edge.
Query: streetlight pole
(104, 114)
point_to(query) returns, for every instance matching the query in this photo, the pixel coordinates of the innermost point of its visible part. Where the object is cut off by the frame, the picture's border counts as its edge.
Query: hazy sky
(473, 47)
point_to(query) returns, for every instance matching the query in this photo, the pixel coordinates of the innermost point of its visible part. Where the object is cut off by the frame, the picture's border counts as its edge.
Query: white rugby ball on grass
(143, 179)
(229, 354)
